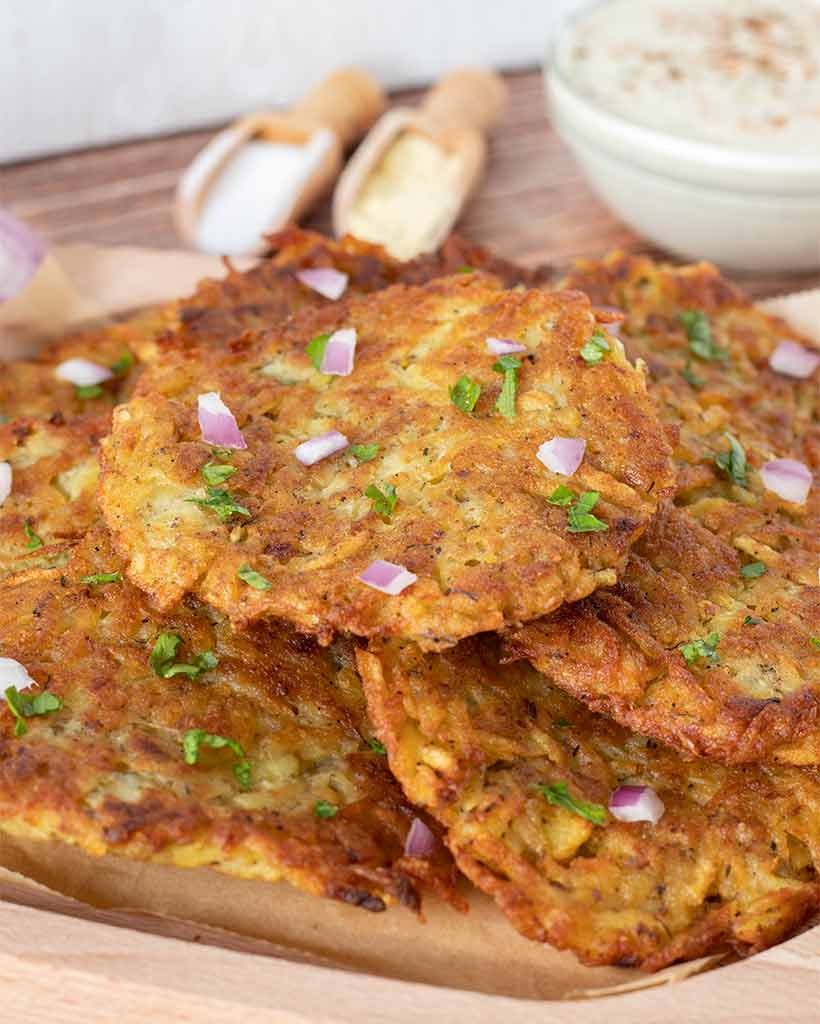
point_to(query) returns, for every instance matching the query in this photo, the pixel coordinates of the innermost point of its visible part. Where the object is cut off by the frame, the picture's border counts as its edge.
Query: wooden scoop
(331, 117)
(456, 116)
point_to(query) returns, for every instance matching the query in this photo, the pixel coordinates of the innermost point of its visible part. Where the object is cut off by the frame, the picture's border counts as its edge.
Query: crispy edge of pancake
(447, 467)
(729, 866)
(106, 772)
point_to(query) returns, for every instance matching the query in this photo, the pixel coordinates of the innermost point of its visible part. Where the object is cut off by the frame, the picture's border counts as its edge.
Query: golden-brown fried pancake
(472, 517)
(711, 639)
(306, 798)
(521, 775)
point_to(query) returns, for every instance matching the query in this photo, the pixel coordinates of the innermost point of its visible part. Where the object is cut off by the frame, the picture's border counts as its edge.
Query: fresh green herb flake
(221, 501)
(99, 578)
(325, 809)
(316, 349)
(23, 706)
(195, 739)
(594, 349)
(164, 653)
(561, 723)
(89, 391)
(465, 393)
(561, 496)
(363, 452)
(509, 366)
(706, 649)
(123, 364)
(733, 462)
(815, 641)
(34, 541)
(377, 746)
(701, 339)
(253, 578)
(222, 453)
(580, 518)
(558, 795)
(690, 376)
(753, 570)
(465, 270)
(750, 620)
(384, 501)
(214, 473)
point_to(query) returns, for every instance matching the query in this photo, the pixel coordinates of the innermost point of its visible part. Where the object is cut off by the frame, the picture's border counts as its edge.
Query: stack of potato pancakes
(367, 575)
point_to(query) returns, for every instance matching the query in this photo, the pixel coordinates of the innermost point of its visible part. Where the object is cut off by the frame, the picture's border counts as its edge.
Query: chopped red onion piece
(794, 360)
(318, 448)
(5, 481)
(82, 372)
(504, 347)
(325, 280)
(387, 577)
(788, 479)
(217, 422)
(636, 803)
(420, 841)
(562, 454)
(339, 353)
(21, 253)
(12, 673)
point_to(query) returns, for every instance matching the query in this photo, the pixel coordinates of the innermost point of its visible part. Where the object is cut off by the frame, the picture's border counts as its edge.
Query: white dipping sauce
(256, 192)
(743, 73)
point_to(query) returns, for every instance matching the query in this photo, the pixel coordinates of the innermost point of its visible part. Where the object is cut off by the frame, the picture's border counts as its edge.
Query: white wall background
(76, 73)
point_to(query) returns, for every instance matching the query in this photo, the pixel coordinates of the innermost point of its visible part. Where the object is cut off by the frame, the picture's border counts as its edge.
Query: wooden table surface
(532, 206)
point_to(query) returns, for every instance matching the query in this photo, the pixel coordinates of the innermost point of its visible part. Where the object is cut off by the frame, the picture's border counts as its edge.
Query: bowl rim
(710, 155)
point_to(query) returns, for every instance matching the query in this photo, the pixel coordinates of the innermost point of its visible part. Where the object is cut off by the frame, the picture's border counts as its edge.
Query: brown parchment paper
(478, 951)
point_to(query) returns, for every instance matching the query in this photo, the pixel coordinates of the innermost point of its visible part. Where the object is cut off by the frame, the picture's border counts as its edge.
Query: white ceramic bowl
(745, 210)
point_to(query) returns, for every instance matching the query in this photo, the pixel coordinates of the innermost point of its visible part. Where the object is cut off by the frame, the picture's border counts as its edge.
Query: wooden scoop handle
(465, 100)
(348, 102)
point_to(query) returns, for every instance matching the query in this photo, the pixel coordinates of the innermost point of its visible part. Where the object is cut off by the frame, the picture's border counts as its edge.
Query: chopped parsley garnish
(325, 809)
(34, 541)
(253, 578)
(465, 270)
(701, 340)
(377, 745)
(384, 501)
(363, 452)
(816, 641)
(562, 496)
(750, 620)
(214, 473)
(509, 366)
(194, 739)
(702, 649)
(165, 651)
(559, 796)
(220, 500)
(580, 518)
(464, 393)
(316, 349)
(733, 462)
(123, 364)
(594, 349)
(22, 707)
(89, 391)
(690, 376)
(102, 577)
(753, 570)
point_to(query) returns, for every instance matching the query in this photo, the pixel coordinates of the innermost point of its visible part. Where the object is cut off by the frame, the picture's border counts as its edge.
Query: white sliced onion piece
(787, 478)
(217, 422)
(5, 481)
(794, 360)
(12, 673)
(21, 253)
(82, 372)
(636, 803)
(340, 352)
(420, 841)
(387, 577)
(504, 347)
(562, 454)
(319, 447)
(326, 281)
